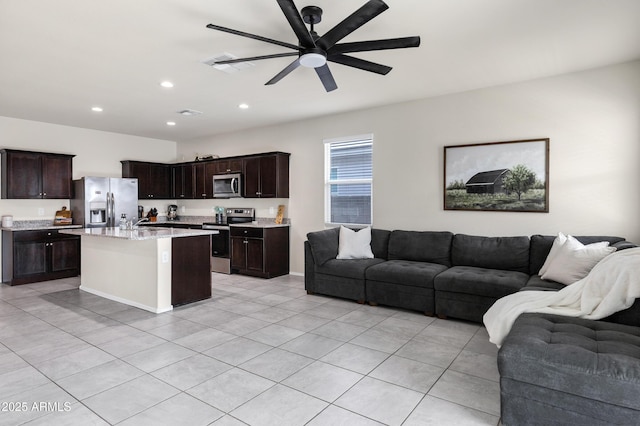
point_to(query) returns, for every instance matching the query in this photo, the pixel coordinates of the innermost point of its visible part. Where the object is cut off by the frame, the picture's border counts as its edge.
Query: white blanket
(611, 286)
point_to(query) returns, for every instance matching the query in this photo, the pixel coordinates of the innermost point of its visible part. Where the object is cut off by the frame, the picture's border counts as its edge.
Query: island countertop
(142, 233)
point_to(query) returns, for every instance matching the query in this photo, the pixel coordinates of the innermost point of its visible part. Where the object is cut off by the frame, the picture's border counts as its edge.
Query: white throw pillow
(354, 245)
(573, 260)
(559, 241)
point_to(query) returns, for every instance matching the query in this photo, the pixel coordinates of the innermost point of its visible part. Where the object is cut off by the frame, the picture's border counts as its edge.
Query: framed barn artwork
(510, 176)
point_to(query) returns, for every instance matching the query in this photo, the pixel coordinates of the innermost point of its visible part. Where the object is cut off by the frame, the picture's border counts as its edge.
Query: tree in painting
(519, 180)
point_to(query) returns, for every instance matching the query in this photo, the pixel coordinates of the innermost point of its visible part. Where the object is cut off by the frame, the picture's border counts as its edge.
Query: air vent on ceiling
(228, 68)
(189, 112)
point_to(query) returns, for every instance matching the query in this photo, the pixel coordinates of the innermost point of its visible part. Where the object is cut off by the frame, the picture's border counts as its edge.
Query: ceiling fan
(314, 51)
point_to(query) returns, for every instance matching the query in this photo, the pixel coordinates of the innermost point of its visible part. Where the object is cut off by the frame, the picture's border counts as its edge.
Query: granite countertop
(260, 224)
(41, 225)
(38, 227)
(185, 220)
(139, 233)
(199, 220)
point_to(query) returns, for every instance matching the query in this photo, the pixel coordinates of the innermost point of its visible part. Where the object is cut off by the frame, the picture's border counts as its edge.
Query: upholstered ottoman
(557, 370)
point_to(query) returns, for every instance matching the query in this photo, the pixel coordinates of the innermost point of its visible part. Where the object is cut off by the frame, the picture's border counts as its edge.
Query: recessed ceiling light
(166, 84)
(243, 106)
(171, 123)
(96, 109)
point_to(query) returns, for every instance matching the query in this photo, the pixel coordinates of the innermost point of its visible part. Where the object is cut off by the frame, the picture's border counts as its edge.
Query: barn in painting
(490, 182)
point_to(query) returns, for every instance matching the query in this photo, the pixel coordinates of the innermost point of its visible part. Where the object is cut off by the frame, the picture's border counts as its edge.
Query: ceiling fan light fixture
(313, 60)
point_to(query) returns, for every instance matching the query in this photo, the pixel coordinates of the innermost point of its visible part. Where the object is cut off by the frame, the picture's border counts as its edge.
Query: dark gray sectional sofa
(554, 370)
(450, 275)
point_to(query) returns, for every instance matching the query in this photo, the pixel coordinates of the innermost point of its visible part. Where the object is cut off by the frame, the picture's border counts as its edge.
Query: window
(348, 180)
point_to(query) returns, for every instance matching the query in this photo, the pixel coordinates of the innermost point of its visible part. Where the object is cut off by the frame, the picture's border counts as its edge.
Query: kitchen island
(150, 268)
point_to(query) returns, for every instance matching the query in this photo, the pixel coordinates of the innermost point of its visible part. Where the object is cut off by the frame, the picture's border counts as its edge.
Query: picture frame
(510, 176)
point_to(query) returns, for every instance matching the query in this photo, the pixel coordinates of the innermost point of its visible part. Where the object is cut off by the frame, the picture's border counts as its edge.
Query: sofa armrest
(622, 245)
(309, 269)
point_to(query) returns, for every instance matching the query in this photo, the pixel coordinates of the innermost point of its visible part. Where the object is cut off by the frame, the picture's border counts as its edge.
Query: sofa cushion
(405, 273)
(324, 244)
(350, 268)
(380, 243)
(507, 253)
(426, 246)
(596, 360)
(536, 283)
(541, 245)
(480, 281)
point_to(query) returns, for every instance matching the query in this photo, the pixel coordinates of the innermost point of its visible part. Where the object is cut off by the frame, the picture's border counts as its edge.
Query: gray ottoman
(557, 370)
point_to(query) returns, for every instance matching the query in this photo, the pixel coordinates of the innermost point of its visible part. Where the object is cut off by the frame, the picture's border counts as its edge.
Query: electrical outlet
(272, 210)
(182, 209)
(40, 212)
(165, 256)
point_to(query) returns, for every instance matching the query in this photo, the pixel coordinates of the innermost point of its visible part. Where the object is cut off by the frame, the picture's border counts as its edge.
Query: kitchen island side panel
(190, 269)
(137, 273)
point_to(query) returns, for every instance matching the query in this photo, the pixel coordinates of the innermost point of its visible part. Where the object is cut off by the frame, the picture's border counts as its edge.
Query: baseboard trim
(125, 301)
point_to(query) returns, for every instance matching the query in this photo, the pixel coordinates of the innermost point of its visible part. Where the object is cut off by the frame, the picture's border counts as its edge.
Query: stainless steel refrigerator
(99, 202)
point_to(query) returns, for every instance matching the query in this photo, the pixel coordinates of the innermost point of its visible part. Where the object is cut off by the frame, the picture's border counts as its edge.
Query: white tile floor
(260, 352)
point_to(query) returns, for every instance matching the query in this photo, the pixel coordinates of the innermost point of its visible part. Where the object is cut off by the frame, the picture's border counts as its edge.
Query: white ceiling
(60, 58)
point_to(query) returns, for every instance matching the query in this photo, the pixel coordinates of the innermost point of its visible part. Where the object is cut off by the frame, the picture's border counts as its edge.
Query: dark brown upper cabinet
(266, 176)
(154, 179)
(203, 179)
(36, 175)
(231, 165)
(182, 186)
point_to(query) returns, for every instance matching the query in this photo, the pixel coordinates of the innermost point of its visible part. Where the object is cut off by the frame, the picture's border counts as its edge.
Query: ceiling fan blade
(255, 58)
(363, 46)
(253, 36)
(327, 78)
(292, 66)
(350, 61)
(352, 22)
(297, 24)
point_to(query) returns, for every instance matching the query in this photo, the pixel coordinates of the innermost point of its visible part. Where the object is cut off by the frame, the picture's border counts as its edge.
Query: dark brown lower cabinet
(261, 252)
(32, 256)
(190, 269)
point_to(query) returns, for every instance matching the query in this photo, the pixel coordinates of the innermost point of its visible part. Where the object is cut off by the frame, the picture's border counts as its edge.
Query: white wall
(96, 154)
(592, 119)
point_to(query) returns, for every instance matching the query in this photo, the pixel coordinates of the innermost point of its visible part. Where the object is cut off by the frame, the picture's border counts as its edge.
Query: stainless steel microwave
(227, 186)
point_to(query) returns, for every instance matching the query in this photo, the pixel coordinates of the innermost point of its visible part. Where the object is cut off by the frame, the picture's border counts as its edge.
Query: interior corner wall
(97, 153)
(592, 119)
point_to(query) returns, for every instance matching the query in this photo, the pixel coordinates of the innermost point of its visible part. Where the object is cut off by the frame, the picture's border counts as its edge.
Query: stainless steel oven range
(220, 242)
